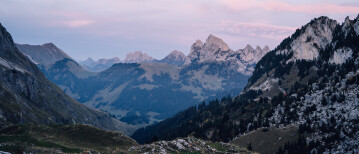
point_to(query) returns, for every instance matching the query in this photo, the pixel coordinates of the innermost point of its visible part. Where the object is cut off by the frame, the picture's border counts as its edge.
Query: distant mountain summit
(252, 56)
(216, 50)
(27, 96)
(87, 62)
(138, 57)
(45, 54)
(100, 64)
(141, 90)
(175, 58)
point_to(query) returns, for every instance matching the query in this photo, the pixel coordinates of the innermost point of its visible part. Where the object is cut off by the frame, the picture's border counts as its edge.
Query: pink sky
(109, 28)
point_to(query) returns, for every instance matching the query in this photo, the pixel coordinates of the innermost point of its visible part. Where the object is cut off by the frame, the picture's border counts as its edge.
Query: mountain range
(307, 87)
(28, 97)
(243, 59)
(99, 65)
(301, 97)
(174, 58)
(143, 93)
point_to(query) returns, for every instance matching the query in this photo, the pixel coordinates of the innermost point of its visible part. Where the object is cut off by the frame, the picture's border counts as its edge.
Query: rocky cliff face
(28, 97)
(216, 50)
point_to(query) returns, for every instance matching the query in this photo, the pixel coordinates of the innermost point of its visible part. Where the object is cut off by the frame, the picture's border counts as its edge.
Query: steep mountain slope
(310, 81)
(45, 54)
(62, 138)
(100, 64)
(147, 92)
(28, 97)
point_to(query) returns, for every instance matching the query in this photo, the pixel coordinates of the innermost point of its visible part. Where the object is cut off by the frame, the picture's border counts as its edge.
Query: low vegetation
(62, 138)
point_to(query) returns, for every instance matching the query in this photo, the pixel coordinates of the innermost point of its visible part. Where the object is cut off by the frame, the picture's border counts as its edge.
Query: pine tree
(249, 147)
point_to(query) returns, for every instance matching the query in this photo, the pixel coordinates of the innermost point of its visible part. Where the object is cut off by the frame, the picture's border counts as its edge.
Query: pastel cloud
(77, 23)
(320, 8)
(281, 6)
(70, 19)
(250, 29)
(115, 27)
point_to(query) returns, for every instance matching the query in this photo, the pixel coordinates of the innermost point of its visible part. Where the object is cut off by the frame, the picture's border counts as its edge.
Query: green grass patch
(218, 146)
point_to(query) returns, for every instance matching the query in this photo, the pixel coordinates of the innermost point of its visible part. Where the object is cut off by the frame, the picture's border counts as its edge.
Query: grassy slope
(65, 138)
(268, 141)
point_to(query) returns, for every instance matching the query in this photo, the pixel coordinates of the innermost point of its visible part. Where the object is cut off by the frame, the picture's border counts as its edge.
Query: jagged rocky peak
(266, 49)
(251, 55)
(174, 58)
(214, 49)
(258, 48)
(348, 25)
(138, 57)
(214, 44)
(6, 41)
(197, 44)
(307, 41)
(356, 24)
(248, 48)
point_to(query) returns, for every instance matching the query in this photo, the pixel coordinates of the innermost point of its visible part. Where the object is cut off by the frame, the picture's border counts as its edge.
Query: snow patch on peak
(340, 56)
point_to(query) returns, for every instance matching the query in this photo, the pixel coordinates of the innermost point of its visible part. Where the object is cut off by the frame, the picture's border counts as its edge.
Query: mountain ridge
(45, 54)
(155, 83)
(305, 91)
(27, 96)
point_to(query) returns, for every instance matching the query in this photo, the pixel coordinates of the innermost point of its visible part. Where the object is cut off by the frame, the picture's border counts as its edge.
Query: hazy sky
(109, 28)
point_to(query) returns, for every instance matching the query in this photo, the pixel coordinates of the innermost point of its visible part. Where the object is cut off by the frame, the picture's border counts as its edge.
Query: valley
(300, 97)
(141, 90)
